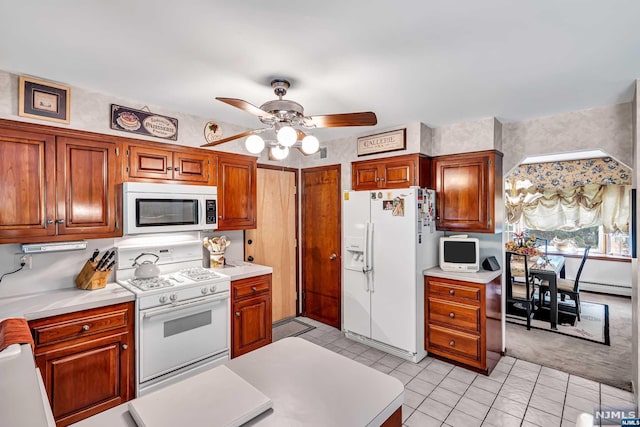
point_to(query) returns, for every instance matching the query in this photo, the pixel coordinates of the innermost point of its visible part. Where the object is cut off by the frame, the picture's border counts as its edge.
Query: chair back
(522, 263)
(576, 285)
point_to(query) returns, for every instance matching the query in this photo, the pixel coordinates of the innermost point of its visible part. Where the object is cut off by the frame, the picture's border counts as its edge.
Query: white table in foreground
(309, 386)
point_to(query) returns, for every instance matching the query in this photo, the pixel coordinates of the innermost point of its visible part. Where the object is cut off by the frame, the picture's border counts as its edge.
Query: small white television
(460, 253)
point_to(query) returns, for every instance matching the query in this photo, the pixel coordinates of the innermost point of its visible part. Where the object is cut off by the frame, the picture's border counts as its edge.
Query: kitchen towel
(15, 331)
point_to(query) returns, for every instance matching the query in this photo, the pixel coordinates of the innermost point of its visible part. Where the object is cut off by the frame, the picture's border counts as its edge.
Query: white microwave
(163, 208)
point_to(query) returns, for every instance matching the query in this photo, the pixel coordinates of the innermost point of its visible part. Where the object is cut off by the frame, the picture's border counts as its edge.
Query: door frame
(338, 168)
(296, 179)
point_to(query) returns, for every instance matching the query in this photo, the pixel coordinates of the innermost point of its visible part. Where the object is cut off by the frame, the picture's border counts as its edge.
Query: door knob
(333, 256)
(249, 242)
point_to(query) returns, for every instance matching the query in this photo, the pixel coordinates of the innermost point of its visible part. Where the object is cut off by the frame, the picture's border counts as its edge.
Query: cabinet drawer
(454, 291)
(82, 326)
(454, 314)
(454, 342)
(250, 287)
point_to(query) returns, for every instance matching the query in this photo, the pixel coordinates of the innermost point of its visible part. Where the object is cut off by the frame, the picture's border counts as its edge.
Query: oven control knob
(204, 291)
(163, 299)
(213, 288)
(173, 297)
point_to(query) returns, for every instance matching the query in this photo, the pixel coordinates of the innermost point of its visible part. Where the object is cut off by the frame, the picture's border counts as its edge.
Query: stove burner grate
(151, 283)
(199, 274)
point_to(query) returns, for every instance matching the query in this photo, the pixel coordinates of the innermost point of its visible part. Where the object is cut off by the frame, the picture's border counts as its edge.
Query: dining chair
(567, 288)
(520, 285)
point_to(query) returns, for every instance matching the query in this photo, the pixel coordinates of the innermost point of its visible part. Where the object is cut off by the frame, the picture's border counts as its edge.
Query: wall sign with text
(143, 122)
(383, 142)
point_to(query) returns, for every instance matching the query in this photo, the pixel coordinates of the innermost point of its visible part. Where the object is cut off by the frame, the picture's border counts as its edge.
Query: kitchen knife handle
(95, 255)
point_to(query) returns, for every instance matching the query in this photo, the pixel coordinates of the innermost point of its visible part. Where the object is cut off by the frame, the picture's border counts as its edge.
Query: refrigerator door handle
(369, 246)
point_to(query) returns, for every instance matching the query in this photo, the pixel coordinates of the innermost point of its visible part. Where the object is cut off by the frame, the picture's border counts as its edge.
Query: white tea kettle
(147, 269)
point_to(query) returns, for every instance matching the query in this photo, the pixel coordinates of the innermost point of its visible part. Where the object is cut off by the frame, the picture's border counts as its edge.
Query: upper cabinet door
(391, 172)
(468, 186)
(86, 171)
(27, 189)
(365, 176)
(399, 173)
(148, 162)
(194, 168)
(236, 192)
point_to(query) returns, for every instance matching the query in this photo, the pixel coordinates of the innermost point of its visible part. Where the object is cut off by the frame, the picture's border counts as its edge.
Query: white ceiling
(434, 61)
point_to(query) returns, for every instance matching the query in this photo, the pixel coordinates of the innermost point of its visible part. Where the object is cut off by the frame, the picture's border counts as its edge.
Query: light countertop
(241, 270)
(308, 384)
(482, 276)
(62, 301)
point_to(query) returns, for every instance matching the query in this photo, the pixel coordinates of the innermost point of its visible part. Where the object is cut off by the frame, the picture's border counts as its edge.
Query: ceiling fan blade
(301, 135)
(302, 151)
(337, 120)
(246, 106)
(231, 138)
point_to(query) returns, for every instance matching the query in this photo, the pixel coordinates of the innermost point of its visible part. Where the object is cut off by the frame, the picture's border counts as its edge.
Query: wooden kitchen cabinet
(250, 314)
(87, 360)
(152, 162)
(237, 195)
(468, 189)
(391, 172)
(56, 186)
(463, 321)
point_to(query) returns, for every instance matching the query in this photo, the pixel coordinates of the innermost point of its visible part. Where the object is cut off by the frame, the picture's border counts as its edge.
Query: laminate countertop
(62, 301)
(309, 385)
(482, 276)
(241, 270)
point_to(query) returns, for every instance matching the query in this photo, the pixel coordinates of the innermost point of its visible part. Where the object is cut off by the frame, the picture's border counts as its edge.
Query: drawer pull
(452, 315)
(237, 313)
(253, 288)
(124, 346)
(86, 327)
(452, 343)
(452, 292)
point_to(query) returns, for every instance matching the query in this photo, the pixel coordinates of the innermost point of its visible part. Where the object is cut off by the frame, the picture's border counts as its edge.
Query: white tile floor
(517, 393)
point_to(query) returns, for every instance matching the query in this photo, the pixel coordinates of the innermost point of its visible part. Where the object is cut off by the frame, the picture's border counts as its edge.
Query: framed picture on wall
(39, 99)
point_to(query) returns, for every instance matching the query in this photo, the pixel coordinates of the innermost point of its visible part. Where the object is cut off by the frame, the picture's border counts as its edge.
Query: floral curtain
(570, 209)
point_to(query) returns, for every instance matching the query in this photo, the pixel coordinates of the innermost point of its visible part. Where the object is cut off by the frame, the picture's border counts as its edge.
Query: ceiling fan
(286, 117)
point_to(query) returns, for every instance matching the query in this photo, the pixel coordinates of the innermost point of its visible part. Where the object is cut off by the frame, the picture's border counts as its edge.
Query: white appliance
(389, 239)
(182, 315)
(161, 208)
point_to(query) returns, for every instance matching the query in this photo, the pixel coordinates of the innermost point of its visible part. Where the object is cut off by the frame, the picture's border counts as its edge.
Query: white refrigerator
(389, 238)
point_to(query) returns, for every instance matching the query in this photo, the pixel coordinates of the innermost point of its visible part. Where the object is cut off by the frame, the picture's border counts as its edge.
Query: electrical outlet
(26, 259)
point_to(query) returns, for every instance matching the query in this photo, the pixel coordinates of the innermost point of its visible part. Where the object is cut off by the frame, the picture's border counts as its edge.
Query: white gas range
(182, 315)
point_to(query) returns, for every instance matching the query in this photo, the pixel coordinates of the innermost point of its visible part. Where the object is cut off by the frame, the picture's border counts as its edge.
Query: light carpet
(593, 325)
(289, 328)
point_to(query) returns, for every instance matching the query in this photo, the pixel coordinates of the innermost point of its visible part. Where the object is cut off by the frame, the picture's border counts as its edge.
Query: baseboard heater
(606, 288)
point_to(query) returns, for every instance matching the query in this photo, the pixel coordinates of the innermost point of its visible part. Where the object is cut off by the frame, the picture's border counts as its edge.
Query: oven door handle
(190, 304)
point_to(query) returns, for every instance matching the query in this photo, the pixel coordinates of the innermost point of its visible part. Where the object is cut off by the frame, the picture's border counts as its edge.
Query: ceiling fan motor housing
(285, 110)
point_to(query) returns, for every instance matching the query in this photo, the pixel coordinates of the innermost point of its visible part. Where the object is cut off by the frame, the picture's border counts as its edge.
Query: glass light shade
(254, 144)
(279, 153)
(310, 144)
(287, 136)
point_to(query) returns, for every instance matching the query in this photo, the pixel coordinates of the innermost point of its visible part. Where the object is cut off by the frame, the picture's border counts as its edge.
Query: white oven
(183, 334)
(160, 208)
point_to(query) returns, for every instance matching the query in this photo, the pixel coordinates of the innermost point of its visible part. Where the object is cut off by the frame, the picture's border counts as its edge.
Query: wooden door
(192, 168)
(236, 192)
(273, 241)
(86, 177)
(27, 189)
(85, 379)
(321, 258)
(251, 324)
(148, 162)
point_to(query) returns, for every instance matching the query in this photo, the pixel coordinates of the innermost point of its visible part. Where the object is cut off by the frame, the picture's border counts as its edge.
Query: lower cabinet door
(251, 324)
(85, 379)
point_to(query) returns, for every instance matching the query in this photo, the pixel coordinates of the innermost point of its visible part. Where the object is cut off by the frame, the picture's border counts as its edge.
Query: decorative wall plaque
(143, 122)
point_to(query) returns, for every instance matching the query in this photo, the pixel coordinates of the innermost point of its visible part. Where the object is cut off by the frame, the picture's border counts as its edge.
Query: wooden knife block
(91, 279)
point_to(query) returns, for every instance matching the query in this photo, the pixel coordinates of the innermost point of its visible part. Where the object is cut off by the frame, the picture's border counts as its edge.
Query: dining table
(548, 269)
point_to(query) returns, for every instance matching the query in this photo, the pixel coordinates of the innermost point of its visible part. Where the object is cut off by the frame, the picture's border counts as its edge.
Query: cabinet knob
(249, 242)
(452, 292)
(86, 327)
(253, 288)
(49, 221)
(168, 168)
(124, 346)
(333, 256)
(250, 258)
(176, 169)
(237, 314)
(452, 343)
(381, 179)
(452, 315)
(59, 221)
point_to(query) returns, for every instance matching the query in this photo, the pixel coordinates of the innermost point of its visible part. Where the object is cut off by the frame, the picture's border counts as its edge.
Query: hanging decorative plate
(212, 131)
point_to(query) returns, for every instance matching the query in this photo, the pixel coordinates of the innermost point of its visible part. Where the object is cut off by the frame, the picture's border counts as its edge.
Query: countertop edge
(482, 276)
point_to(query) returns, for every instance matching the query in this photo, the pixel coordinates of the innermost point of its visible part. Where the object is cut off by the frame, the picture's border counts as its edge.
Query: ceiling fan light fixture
(287, 136)
(254, 144)
(310, 144)
(279, 152)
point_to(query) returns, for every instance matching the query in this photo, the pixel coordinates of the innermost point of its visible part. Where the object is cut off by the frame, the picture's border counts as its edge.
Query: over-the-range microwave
(162, 208)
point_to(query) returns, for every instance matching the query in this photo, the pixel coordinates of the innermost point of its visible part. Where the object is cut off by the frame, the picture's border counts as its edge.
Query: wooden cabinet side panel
(27, 174)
